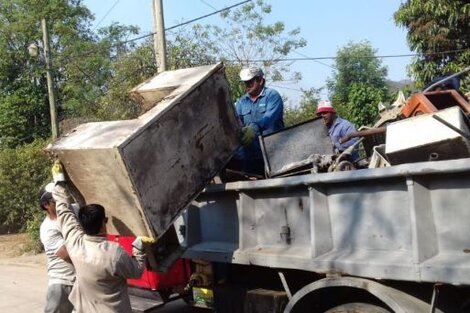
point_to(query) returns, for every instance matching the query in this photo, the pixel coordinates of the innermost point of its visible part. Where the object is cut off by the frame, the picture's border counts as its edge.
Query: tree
(305, 111)
(88, 75)
(24, 108)
(22, 171)
(248, 39)
(359, 83)
(244, 40)
(439, 31)
(81, 65)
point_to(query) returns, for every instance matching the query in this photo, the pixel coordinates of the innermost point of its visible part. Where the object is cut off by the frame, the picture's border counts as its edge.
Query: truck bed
(407, 222)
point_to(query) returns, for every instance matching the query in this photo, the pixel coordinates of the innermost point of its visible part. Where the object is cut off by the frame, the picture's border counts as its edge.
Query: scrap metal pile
(428, 126)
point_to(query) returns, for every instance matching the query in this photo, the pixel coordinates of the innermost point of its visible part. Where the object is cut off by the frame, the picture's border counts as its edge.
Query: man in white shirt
(60, 270)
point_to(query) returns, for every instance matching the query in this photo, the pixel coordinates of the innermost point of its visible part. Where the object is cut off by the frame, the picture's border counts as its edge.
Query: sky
(326, 25)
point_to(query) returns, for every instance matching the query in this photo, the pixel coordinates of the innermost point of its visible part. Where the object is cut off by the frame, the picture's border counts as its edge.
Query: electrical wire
(207, 15)
(357, 57)
(106, 14)
(296, 52)
(153, 33)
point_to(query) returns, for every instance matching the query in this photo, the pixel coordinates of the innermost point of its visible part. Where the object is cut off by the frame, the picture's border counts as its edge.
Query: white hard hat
(325, 106)
(247, 74)
(49, 187)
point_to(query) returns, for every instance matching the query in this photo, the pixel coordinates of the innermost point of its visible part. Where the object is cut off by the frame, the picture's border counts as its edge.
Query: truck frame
(391, 239)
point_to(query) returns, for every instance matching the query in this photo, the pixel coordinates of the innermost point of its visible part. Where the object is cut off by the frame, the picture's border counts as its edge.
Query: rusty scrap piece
(363, 133)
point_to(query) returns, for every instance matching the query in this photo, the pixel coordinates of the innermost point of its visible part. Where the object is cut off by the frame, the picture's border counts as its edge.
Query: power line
(153, 33)
(208, 4)
(356, 57)
(287, 88)
(210, 14)
(296, 52)
(106, 14)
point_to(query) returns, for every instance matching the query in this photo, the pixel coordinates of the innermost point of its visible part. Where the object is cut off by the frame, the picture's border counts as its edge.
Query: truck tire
(357, 308)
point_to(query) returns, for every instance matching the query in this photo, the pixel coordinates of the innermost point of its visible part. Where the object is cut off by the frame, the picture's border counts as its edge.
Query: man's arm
(66, 219)
(63, 254)
(130, 267)
(274, 111)
(347, 128)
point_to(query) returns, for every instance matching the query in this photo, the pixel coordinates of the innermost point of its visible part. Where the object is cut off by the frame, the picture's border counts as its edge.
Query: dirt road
(23, 284)
(23, 280)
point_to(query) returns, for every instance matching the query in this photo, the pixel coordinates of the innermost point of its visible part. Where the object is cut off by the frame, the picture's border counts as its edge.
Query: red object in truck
(178, 274)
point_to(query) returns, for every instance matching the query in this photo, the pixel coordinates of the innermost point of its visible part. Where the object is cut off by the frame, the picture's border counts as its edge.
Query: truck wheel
(357, 308)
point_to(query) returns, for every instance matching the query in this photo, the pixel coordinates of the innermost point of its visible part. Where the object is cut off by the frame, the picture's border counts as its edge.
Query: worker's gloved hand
(248, 134)
(58, 172)
(142, 241)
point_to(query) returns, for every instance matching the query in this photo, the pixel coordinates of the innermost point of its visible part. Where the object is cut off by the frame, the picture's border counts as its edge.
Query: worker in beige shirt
(102, 267)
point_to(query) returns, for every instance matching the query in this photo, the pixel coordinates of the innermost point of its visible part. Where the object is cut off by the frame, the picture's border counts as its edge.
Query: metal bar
(435, 294)
(460, 132)
(284, 284)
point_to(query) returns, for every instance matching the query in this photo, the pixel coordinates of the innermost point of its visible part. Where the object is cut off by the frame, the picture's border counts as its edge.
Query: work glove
(142, 241)
(58, 172)
(248, 134)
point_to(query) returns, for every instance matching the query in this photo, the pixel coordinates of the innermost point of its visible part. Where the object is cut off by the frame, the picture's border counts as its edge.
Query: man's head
(326, 110)
(46, 202)
(93, 219)
(253, 78)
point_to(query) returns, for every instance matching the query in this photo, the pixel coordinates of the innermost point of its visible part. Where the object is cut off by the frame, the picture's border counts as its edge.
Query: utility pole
(159, 42)
(50, 81)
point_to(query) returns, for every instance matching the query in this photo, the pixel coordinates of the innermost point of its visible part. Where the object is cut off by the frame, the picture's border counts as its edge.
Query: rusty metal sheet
(295, 147)
(145, 171)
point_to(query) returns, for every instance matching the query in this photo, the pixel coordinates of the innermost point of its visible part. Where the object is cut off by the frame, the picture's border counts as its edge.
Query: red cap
(325, 106)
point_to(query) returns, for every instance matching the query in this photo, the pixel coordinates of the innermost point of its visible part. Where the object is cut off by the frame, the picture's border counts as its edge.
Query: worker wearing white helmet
(60, 269)
(337, 127)
(260, 111)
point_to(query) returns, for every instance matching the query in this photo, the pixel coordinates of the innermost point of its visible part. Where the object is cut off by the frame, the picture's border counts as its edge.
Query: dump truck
(387, 239)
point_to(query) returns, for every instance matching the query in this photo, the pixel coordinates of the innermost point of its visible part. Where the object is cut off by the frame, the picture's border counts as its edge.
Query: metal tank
(145, 171)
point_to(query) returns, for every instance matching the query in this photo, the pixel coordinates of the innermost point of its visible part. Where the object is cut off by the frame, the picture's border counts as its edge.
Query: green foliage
(190, 46)
(82, 66)
(305, 111)
(24, 108)
(23, 170)
(368, 97)
(359, 83)
(439, 31)
(32, 229)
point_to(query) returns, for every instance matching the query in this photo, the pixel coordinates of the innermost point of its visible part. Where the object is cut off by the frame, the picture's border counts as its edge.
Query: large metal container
(145, 171)
(423, 138)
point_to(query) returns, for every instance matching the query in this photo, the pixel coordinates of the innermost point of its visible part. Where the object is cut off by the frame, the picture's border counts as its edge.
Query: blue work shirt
(265, 115)
(339, 129)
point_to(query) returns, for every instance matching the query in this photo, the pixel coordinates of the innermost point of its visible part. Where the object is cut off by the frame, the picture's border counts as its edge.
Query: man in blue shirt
(260, 112)
(337, 128)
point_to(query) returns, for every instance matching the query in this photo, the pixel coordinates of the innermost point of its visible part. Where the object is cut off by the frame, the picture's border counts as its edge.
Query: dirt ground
(20, 271)
(13, 250)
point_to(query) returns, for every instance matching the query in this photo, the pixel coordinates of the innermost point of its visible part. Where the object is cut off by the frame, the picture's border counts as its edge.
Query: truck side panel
(408, 222)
